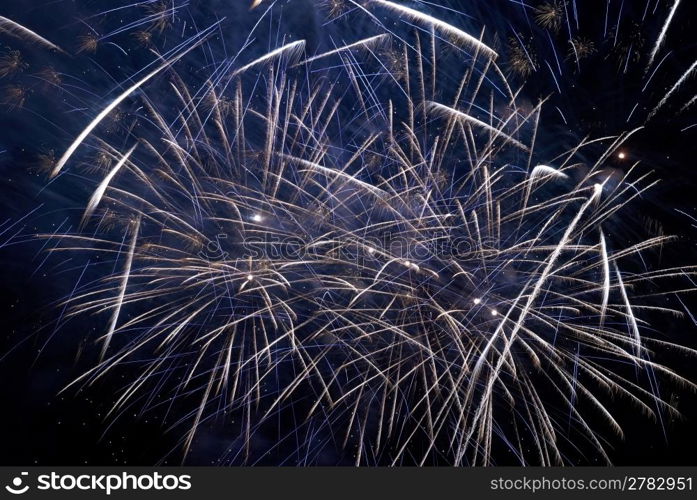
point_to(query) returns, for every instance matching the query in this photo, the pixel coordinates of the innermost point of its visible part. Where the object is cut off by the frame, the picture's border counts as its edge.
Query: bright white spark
(293, 49)
(606, 277)
(437, 23)
(99, 192)
(675, 87)
(366, 42)
(540, 170)
(662, 34)
(122, 291)
(76, 143)
(447, 110)
(630, 313)
(14, 29)
(331, 171)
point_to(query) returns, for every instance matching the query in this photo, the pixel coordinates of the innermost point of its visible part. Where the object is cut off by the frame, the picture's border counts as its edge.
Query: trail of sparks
(105, 112)
(662, 34)
(122, 289)
(101, 189)
(447, 28)
(673, 89)
(336, 240)
(16, 29)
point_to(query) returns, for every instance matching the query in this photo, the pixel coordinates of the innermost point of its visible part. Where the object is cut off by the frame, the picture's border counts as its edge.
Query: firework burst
(11, 63)
(374, 242)
(551, 15)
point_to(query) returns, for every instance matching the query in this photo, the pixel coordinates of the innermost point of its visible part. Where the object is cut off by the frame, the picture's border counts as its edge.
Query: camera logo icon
(16, 487)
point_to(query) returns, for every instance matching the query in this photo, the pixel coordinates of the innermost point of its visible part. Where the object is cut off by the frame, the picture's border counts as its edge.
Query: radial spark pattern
(365, 234)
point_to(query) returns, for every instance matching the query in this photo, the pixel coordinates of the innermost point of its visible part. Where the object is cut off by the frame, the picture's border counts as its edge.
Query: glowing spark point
(494, 312)
(257, 218)
(371, 250)
(621, 156)
(250, 277)
(407, 263)
(477, 301)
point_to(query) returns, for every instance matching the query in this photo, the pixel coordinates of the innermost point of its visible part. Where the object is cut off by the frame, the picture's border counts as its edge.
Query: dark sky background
(39, 355)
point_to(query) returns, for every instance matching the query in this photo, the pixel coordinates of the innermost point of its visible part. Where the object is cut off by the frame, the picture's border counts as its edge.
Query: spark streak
(99, 192)
(329, 242)
(122, 289)
(449, 29)
(105, 112)
(673, 89)
(15, 29)
(662, 34)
